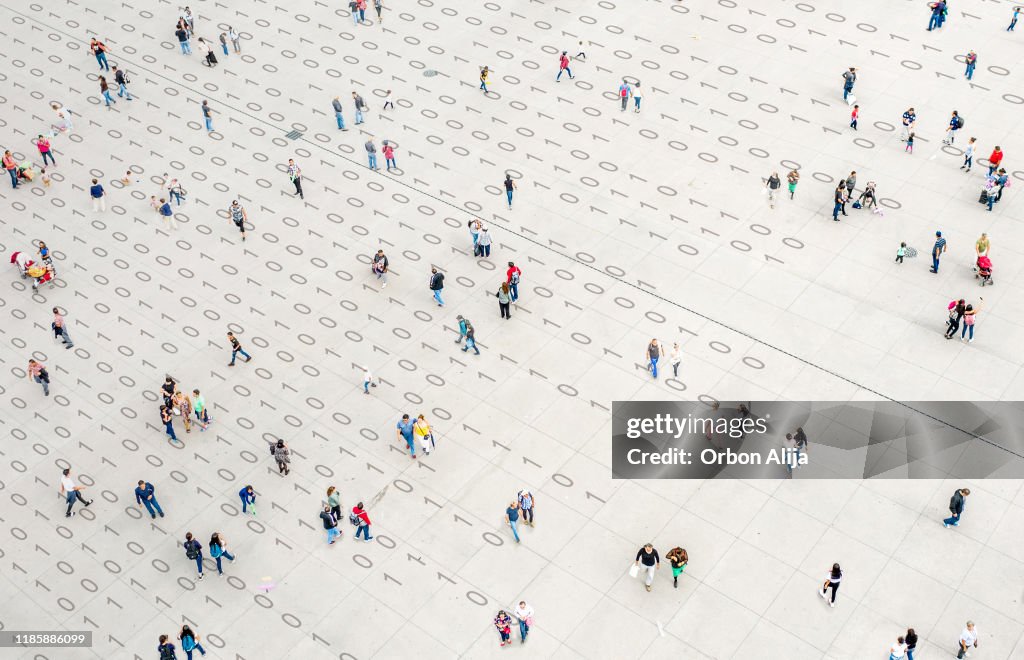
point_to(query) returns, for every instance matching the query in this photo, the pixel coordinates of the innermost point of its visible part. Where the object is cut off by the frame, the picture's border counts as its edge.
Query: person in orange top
(993, 160)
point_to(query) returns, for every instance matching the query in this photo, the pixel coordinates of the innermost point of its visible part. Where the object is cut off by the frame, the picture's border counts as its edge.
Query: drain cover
(430, 73)
(293, 135)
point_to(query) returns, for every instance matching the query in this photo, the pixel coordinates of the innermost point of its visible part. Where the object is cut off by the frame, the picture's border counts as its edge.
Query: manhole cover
(430, 73)
(911, 252)
(293, 135)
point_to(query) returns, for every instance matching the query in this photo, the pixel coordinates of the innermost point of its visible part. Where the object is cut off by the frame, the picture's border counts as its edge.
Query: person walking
(98, 195)
(295, 176)
(1013, 19)
(166, 649)
(388, 103)
(911, 641)
(190, 642)
(121, 78)
(484, 72)
(956, 507)
(955, 123)
(236, 40)
(504, 300)
(378, 6)
(380, 267)
(470, 339)
(527, 505)
(675, 358)
(792, 179)
(144, 496)
(12, 169)
(367, 384)
(512, 277)
(360, 107)
(105, 92)
(282, 455)
(968, 155)
(334, 503)
(832, 580)
(854, 116)
(677, 558)
(654, 352)
(968, 640)
(898, 650)
(563, 66)
(982, 246)
(625, 91)
(483, 242)
(512, 519)
(248, 497)
(909, 119)
(510, 187)
(60, 328)
(236, 348)
(389, 155)
(199, 407)
(994, 159)
(839, 198)
(99, 51)
(421, 429)
(330, 521)
(524, 615)
(937, 250)
(437, 285)
(636, 97)
(237, 215)
(207, 116)
(849, 78)
(972, 61)
(182, 34)
(362, 522)
(648, 556)
(935, 21)
(404, 431)
(970, 317)
(175, 191)
(772, 187)
(71, 491)
(503, 622)
(167, 418)
(194, 551)
(45, 151)
(183, 404)
(371, 154)
(463, 326)
(219, 550)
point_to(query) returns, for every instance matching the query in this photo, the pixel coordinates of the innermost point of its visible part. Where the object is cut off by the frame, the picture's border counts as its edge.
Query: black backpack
(355, 520)
(191, 551)
(167, 652)
(959, 122)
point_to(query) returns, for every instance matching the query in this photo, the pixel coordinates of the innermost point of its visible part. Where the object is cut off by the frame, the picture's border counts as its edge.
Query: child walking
(901, 252)
(910, 144)
(853, 117)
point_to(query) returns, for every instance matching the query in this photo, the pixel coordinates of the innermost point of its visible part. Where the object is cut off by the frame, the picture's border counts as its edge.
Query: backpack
(191, 551)
(188, 643)
(515, 277)
(215, 551)
(959, 122)
(167, 652)
(355, 520)
(623, 91)
(273, 447)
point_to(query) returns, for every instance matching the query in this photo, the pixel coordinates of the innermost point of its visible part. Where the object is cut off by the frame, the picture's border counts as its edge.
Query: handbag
(634, 571)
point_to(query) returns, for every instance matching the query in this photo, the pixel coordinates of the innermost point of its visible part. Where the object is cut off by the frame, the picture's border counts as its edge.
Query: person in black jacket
(910, 639)
(330, 524)
(956, 507)
(651, 561)
(436, 284)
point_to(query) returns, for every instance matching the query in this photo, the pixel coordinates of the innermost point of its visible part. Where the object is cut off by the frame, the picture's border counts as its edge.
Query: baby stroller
(41, 274)
(984, 270)
(25, 172)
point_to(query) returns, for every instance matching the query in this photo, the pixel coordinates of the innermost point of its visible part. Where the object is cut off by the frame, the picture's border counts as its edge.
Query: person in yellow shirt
(421, 429)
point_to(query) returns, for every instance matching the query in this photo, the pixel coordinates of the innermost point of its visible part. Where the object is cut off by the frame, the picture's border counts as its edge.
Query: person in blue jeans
(166, 649)
(972, 61)
(100, 51)
(956, 507)
(371, 154)
(512, 519)
(937, 250)
(248, 497)
(144, 496)
(510, 186)
(167, 417)
(653, 353)
(190, 642)
(470, 339)
(405, 432)
(236, 349)
(338, 116)
(194, 551)
(363, 520)
(207, 116)
(1013, 19)
(936, 19)
(218, 549)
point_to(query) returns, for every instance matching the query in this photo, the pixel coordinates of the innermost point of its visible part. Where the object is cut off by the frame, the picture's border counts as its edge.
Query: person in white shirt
(367, 380)
(675, 358)
(968, 638)
(71, 491)
(832, 580)
(524, 613)
(898, 650)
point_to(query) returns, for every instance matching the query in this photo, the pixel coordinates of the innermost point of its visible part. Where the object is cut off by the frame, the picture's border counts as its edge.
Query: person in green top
(901, 252)
(981, 246)
(334, 501)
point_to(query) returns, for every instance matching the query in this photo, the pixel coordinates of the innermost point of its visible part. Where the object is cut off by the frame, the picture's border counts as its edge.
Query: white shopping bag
(851, 99)
(634, 571)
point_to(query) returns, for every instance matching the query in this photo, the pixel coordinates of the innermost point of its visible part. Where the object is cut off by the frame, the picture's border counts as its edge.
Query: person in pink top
(389, 155)
(43, 145)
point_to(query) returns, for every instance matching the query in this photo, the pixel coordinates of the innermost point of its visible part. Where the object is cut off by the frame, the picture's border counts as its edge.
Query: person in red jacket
(512, 276)
(563, 66)
(994, 159)
(362, 520)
